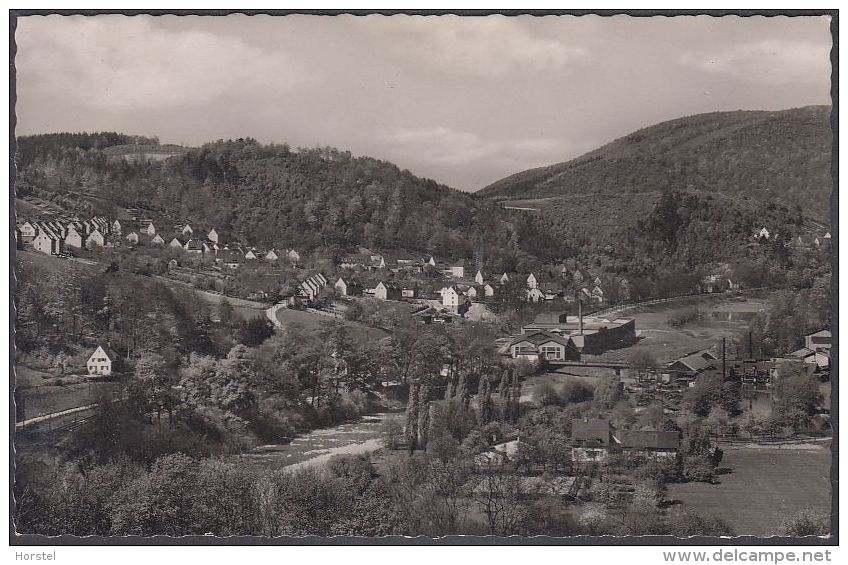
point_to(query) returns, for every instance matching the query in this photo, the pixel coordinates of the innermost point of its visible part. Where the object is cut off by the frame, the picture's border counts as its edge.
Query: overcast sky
(465, 101)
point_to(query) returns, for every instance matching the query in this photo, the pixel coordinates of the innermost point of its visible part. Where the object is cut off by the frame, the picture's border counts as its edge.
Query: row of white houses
(53, 236)
(194, 242)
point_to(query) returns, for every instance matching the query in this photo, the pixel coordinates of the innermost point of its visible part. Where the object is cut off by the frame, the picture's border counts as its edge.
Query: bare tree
(499, 493)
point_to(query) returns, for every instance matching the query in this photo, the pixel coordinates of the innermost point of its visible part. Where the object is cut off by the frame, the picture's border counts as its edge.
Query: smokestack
(580, 314)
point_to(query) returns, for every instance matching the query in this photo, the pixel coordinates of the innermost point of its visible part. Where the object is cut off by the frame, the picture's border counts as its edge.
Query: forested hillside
(782, 157)
(648, 203)
(272, 195)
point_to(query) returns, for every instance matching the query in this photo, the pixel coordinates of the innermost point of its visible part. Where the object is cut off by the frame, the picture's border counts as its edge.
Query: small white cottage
(100, 362)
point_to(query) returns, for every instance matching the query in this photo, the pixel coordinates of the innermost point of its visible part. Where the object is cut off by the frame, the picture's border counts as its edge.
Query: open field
(728, 318)
(35, 208)
(313, 322)
(245, 309)
(764, 486)
(53, 264)
(40, 396)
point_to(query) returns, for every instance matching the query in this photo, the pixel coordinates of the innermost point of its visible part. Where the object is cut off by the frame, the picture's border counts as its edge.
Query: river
(318, 446)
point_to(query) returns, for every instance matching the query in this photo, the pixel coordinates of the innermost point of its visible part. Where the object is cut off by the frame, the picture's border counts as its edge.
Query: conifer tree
(449, 390)
(424, 416)
(516, 397)
(485, 401)
(412, 418)
(503, 387)
(461, 389)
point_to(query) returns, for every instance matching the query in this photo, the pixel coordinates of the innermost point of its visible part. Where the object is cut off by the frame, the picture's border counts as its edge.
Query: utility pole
(723, 359)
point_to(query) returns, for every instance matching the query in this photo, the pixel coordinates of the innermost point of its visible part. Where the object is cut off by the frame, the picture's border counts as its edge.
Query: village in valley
(577, 333)
(498, 308)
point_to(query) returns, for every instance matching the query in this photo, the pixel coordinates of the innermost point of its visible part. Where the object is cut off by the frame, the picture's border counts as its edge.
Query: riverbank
(318, 446)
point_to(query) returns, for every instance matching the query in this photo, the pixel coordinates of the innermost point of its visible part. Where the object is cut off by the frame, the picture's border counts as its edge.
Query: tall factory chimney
(580, 314)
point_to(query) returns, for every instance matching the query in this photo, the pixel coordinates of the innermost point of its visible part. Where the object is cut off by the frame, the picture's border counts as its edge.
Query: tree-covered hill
(271, 195)
(782, 157)
(327, 200)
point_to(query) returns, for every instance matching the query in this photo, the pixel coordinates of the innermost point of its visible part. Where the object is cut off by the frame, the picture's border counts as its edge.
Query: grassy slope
(763, 487)
(314, 322)
(782, 156)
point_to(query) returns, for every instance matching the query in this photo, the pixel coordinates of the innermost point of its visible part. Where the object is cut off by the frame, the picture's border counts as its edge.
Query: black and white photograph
(407, 276)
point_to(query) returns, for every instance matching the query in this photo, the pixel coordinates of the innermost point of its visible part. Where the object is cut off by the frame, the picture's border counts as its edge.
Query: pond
(318, 446)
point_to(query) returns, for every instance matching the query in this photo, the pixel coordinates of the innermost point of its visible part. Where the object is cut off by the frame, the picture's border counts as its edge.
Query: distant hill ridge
(782, 156)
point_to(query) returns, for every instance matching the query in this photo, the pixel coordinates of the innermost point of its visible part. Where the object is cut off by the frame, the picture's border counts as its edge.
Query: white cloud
(490, 46)
(769, 61)
(120, 63)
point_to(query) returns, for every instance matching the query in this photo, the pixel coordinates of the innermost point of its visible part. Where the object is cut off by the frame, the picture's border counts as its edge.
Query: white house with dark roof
(95, 238)
(542, 345)
(27, 231)
(73, 238)
(535, 295)
(341, 287)
(194, 246)
(46, 243)
(450, 298)
(100, 362)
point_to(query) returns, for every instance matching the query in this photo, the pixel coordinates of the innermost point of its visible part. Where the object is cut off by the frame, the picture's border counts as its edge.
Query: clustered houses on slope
(594, 439)
(54, 236)
(800, 241)
(373, 274)
(576, 284)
